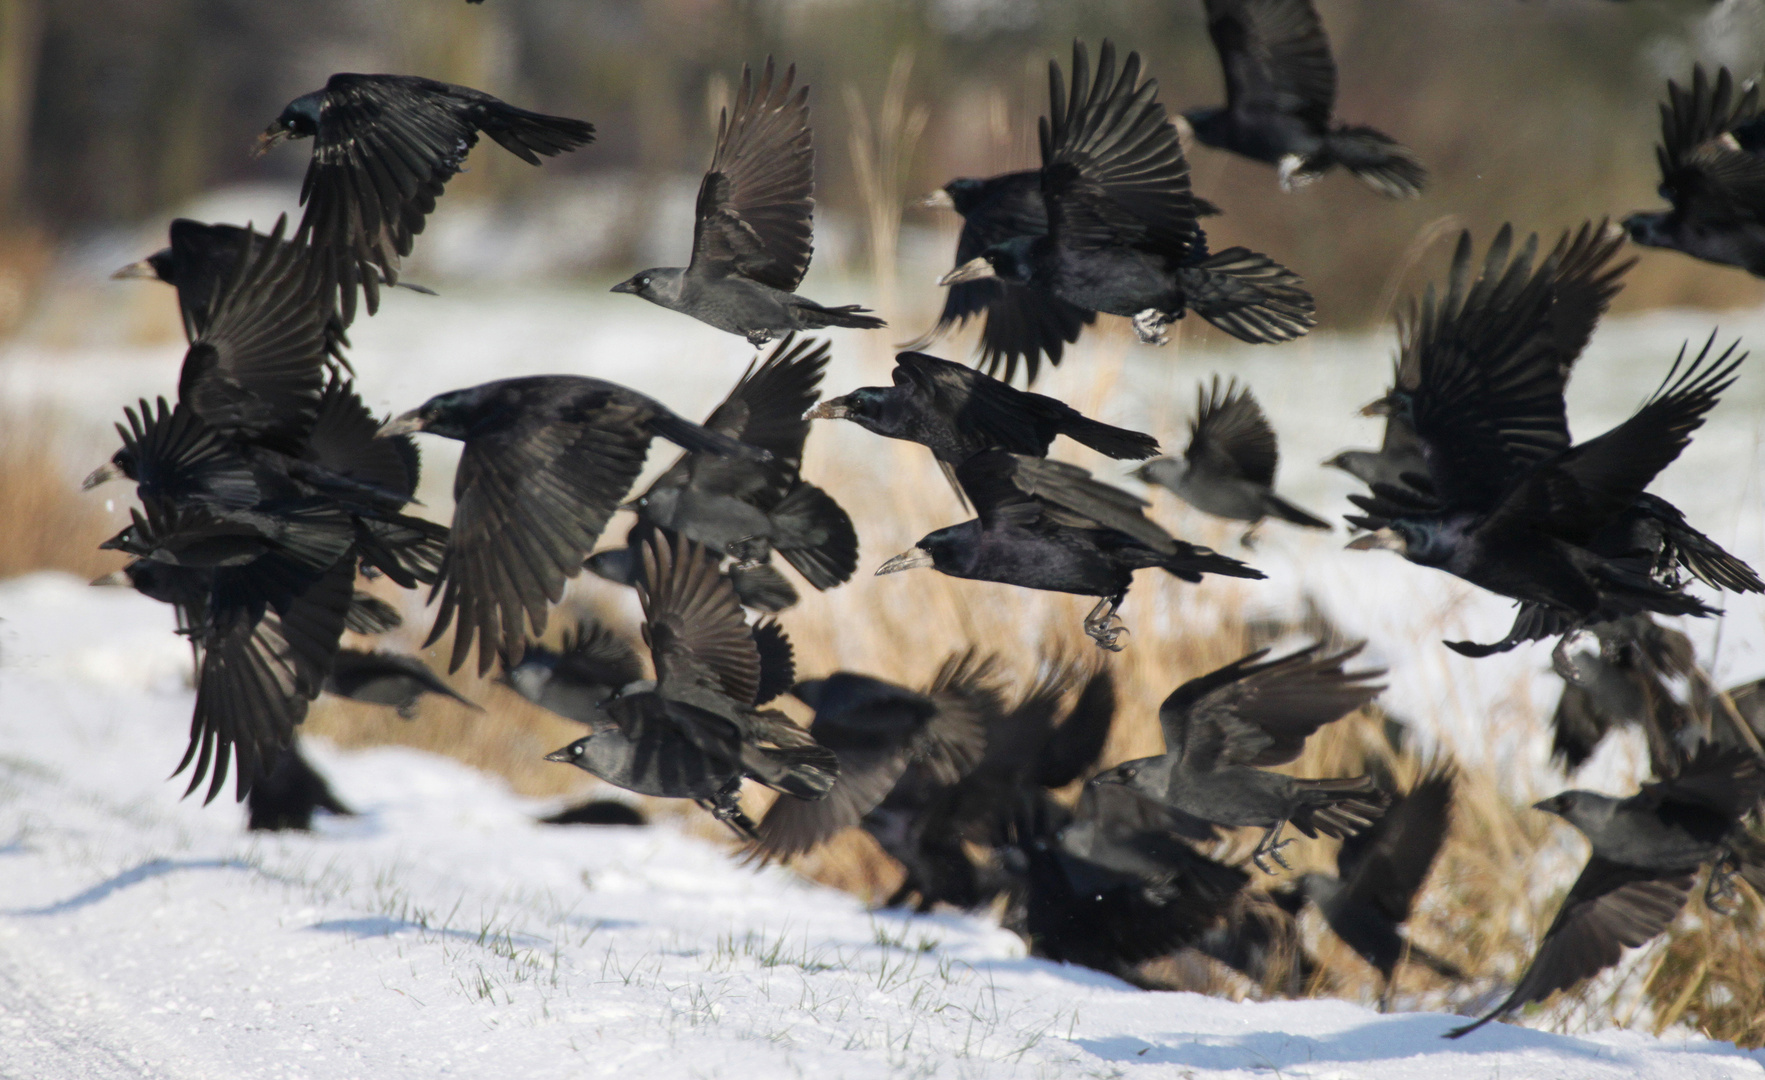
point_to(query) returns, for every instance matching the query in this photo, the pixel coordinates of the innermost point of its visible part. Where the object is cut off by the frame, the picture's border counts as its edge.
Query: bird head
(121, 463)
(1646, 228)
(867, 406)
(444, 415)
(659, 285)
(1205, 125)
(132, 539)
(1133, 775)
(157, 266)
(912, 559)
(1586, 810)
(958, 195)
(1393, 537)
(1009, 259)
(299, 120)
(1163, 471)
(575, 754)
(530, 675)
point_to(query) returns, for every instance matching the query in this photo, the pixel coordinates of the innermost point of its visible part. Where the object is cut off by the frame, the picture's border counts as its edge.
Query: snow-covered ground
(443, 933)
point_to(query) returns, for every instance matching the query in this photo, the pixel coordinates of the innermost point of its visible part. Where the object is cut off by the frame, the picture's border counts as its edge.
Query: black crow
(1048, 525)
(1647, 851)
(199, 259)
(1022, 324)
(1122, 232)
(1260, 939)
(1098, 889)
(287, 792)
(383, 678)
(547, 460)
(1514, 511)
(959, 412)
(750, 509)
(1228, 468)
(931, 828)
(1626, 682)
(751, 239)
(384, 146)
(1547, 315)
(878, 730)
(759, 585)
(698, 732)
(1280, 94)
(1222, 728)
(1378, 874)
(1712, 157)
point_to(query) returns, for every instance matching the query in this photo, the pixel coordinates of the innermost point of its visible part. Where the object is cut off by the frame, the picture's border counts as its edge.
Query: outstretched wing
(1113, 171)
(1004, 484)
(1275, 58)
(1386, 864)
(1705, 172)
(1230, 436)
(694, 625)
(756, 202)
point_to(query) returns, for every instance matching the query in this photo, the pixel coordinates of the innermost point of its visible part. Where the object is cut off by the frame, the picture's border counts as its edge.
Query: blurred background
(117, 115)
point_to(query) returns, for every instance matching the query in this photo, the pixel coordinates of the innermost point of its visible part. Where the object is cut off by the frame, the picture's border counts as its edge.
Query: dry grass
(45, 521)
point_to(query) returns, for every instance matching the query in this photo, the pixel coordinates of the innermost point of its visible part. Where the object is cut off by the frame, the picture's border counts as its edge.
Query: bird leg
(1103, 626)
(750, 552)
(1720, 895)
(1560, 660)
(1150, 324)
(726, 807)
(1270, 848)
(1248, 540)
(757, 338)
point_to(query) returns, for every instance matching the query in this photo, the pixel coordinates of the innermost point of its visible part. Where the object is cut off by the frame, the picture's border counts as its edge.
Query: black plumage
(1228, 468)
(285, 795)
(1380, 870)
(383, 678)
(959, 412)
(750, 509)
(1712, 172)
(1280, 97)
(1626, 682)
(878, 730)
(1123, 236)
(1048, 525)
(547, 460)
(1222, 729)
(384, 147)
(698, 731)
(752, 231)
(1647, 851)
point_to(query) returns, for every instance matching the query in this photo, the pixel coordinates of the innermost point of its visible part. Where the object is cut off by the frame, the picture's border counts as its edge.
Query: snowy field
(442, 933)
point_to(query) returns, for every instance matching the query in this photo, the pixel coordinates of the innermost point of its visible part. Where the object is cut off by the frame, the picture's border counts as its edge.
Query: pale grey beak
(405, 424)
(937, 200)
(563, 755)
(973, 270)
(1185, 130)
(1376, 407)
(911, 559)
(103, 474)
(141, 269)
(112, 579)
(274, 134)
(832, 409)
(1381, 540)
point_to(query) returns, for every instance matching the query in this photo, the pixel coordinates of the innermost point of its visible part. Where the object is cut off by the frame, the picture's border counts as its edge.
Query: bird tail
(406, 549)
(1286, 511)
(851, 316)
(1250, 296)
(816, 536)
(1115, 442)
(1378, 160)
(529, 134)
(1446, 969)
(697, 438)
(368, 614)
(1338, 808)
(1190, 561)
(808, 772)
(762, 587)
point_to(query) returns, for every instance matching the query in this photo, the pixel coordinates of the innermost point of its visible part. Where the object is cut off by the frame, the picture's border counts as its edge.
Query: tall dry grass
(45, 522)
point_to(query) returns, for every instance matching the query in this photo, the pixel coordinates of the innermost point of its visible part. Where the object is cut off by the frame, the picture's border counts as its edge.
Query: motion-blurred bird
(1647, 851)
(1627, 682)
(1280, 94)
(698, 732)
(383, 678)
(1123, 236)
(1048, 525)
(752, 233)
(1712, 158)
(749, 509)
(1228, 468)
(1222, 729)
(384, 147)
(284, 796)
(547, 460)
(878, 730)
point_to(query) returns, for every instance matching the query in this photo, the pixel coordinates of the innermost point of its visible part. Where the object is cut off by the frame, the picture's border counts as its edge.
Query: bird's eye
(576, 749)
(643, 282)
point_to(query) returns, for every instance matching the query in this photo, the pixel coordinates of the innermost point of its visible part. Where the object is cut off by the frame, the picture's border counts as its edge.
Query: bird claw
(749, 553)
(1150, 324)
(1273, 851)
(1107, 632)
(757, 338)
(1561, 662)
(1720, 895)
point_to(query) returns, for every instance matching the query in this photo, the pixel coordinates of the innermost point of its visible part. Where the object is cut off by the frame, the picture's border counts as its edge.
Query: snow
(442, 932)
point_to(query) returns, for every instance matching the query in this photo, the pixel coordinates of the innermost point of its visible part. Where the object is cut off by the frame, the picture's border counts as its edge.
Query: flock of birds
(267, 488)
